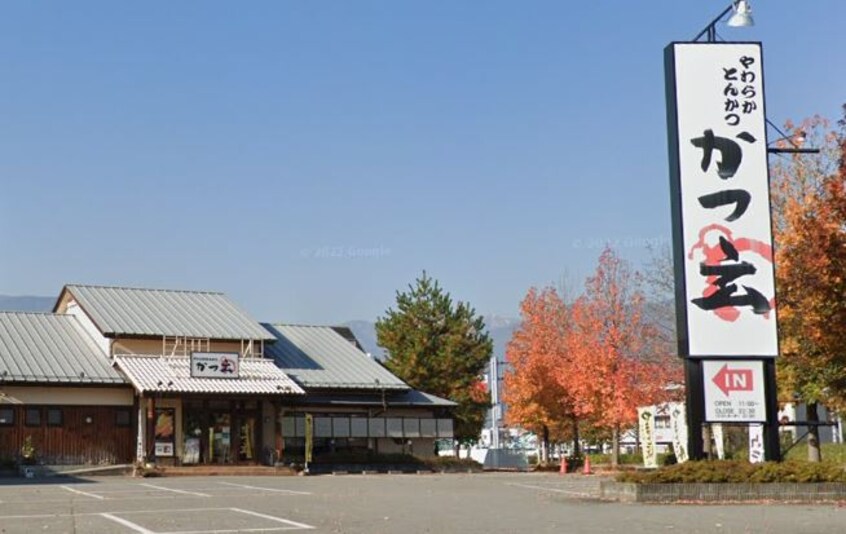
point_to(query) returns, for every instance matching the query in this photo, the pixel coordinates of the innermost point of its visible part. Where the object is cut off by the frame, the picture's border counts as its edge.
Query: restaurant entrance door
(220, 431)
(220, 437)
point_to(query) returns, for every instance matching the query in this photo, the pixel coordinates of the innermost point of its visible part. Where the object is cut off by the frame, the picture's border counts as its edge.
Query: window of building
(32, 417)
(294, 449)
(54, 417)
(7, 416)
(122, 417)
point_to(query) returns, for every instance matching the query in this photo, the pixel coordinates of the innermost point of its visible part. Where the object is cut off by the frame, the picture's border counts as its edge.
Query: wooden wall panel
(75, 442)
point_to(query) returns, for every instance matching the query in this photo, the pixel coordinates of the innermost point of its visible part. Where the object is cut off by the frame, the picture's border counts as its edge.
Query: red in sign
(729, 380)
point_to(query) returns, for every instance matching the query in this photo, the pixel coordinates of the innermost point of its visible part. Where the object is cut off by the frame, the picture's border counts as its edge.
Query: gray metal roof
(160, 312)
(411, 397)
(419, 398)
(44, 347)
(320, 357)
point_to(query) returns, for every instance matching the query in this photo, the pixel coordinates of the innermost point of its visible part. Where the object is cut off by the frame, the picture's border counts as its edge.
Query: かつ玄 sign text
(214, 364)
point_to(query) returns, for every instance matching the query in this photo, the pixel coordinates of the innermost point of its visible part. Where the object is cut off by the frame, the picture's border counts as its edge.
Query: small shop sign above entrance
(214, 364)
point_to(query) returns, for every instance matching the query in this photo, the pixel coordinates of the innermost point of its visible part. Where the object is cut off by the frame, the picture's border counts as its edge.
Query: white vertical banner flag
(142, 422)
(646, 422)
(756, 443)
(678, 422)
(719, 441)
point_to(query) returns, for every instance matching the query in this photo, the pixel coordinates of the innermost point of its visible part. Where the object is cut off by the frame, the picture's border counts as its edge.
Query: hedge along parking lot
(489, 502)
(737, 471)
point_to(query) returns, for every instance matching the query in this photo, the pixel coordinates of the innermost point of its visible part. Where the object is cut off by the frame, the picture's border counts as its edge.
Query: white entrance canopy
(173, 375)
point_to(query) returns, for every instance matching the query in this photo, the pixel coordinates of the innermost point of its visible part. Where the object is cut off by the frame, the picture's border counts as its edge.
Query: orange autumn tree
(809, 223)
(537, 354)
(618, 363)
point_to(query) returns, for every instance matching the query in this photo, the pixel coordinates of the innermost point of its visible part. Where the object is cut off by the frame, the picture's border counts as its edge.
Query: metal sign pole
(695, 397)
(727, 329)
(772, 445)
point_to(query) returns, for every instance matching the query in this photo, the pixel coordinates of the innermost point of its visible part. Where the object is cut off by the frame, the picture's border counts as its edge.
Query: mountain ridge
(26, 303)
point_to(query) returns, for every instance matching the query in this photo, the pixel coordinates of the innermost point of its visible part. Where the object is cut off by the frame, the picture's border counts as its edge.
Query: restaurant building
(356, 403)
(59, 393)
(188, 377)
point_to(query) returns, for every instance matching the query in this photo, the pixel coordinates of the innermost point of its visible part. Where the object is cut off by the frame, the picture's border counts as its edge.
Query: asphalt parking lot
(491, 502)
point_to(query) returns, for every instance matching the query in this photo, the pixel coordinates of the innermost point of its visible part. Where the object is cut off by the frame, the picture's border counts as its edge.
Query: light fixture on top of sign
(795, 140)
(741, 17)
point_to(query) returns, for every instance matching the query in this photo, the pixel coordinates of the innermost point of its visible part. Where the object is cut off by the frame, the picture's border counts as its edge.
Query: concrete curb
(722, 493)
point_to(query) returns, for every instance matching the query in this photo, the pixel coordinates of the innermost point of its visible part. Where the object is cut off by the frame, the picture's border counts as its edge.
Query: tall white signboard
(721, 210)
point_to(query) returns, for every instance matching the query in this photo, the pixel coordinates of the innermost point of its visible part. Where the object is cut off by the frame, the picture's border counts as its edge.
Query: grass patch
(832, 453)
(667, 458)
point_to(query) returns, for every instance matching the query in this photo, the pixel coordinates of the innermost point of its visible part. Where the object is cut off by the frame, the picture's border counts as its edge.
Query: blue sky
(309, 158)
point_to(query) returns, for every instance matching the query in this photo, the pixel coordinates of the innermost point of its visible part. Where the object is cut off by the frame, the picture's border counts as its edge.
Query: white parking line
(72, 490)
(225, 531)
(265, 489)
(113, 499)
(114, 516)
(158, 511)
(41, 516)
(126, 523)
(273, 518)
(143, 490)
(175, 490)
(232, 530)
(577, 493)
(35, 516)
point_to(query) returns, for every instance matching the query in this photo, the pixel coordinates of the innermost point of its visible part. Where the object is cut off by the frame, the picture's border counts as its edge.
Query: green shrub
(547, 468)
(664, 458)
(574, 464)
(734, 471)
(440, 463)
(28, 452)
(623, 459)
(668, 459)
(631, 459)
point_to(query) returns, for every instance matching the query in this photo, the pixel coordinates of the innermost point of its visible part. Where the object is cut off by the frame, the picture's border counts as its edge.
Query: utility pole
(495, 411)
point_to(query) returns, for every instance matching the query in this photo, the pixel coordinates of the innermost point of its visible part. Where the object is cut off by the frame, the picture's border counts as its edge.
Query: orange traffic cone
(563, 468)
(587, 470)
